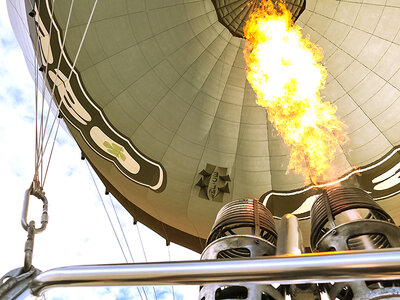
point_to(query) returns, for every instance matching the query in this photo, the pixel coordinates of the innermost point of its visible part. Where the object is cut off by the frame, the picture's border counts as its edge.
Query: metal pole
(306, 268)
(290, 242)
(289, 236)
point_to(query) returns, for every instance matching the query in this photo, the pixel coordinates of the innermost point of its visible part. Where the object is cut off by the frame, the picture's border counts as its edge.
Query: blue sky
(78, 231)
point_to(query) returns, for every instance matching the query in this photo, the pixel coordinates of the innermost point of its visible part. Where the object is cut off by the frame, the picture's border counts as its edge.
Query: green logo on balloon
(115, 150)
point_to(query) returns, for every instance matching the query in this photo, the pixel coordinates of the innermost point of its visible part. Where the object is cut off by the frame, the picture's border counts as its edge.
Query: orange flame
(286, 73)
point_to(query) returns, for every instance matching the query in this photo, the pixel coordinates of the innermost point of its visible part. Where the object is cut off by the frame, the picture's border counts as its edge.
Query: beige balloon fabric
(159, 102)
(362, 51)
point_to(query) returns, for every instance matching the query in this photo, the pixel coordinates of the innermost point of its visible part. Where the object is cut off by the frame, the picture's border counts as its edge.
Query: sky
(78, 231)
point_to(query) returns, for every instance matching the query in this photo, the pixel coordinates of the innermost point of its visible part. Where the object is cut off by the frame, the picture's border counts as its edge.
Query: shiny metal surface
(29, 246)
(244, 216)
(255, 247)
(25, 206)
(342, 213)
(15, 284)
(290, 240)
(305, 268)
(252, 291)
(227, 241)
(353, 221)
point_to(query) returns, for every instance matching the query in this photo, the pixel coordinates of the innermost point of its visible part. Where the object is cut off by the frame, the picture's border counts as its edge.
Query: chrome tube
(290, 241)
(306, 268)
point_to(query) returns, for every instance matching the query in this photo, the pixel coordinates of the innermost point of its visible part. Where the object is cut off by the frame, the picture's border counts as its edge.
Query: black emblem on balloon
(214, 182)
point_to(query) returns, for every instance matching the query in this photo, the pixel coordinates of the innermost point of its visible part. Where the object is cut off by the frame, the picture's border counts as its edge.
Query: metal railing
(294, 269)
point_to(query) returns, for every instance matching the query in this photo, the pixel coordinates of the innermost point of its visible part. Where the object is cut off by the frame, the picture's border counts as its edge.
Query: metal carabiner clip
(44, 219)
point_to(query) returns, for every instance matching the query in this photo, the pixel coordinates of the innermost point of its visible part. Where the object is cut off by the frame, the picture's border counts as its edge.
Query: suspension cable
(37, 142)
(69, 76)
(59, 59)
(112, 226)
(44, 76)
(144, 254)
(51, 152)
(41, 142)
(141, 243)
(120, 226)
(169, 259)
(123, 234)
(40, 150)
(105, 209)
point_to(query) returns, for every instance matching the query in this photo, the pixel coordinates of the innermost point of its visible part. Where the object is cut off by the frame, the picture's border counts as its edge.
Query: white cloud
(78, 231)
(120, 293)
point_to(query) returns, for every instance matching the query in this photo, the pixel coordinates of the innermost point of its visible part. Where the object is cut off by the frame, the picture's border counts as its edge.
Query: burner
(243, 228)
(349, 219)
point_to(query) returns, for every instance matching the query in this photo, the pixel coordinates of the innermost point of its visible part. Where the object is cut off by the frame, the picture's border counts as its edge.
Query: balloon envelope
(156, 96)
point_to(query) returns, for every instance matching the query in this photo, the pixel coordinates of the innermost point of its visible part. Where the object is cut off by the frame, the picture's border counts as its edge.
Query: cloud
(119, 293)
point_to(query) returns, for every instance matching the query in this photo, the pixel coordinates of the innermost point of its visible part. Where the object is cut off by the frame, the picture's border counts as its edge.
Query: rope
(36, 113)
(126, 241)
(144, 254)
(112, 226)
(105, 209)
(43, 128)
(52, 91)
(41, 132)
(51, 152)
(46, 69)
(120, 226)
(69, 77)
(83, 38)
(169, 259)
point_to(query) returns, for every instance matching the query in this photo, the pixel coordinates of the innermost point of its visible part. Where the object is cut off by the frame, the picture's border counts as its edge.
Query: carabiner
(44, 219)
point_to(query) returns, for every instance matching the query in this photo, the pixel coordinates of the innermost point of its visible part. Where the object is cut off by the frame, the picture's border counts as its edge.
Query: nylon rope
(30, 2)
(169, 259)
(123, 234)
(36, 112)
(109, 219)
(69, 77)
(105, 209)
(42, 128)
(83, 38)
(41, 110)
(144, 252)
(120, 226)
(62, 51)
(41, 154)
(41, 131)
(51, 152)
(76, 56)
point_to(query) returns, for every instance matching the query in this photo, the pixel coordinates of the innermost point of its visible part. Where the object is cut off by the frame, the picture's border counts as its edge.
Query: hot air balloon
(156, 96)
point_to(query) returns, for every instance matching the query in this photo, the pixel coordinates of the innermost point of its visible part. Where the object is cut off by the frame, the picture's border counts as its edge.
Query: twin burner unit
(341, 219)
